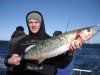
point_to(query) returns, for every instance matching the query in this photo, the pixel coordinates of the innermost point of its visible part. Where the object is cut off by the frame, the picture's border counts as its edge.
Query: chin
(34, 31)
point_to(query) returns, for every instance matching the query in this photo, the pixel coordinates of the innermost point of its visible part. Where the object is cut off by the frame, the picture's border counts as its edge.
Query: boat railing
(82, 70)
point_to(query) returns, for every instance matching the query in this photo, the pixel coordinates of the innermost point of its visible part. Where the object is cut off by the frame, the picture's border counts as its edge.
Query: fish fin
(40, 61)
(29, 47)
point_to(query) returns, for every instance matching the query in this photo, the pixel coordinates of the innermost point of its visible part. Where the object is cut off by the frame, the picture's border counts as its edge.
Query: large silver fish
(57, 45)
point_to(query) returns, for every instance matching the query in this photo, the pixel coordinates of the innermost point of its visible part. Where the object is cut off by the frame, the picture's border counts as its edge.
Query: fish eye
(88, 30)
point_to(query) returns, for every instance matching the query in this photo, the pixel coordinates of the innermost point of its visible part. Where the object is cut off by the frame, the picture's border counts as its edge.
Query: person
(15, 37)
(57, 33)
(36, 27)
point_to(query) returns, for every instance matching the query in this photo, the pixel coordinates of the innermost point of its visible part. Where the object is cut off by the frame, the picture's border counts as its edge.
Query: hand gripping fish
(57, 45)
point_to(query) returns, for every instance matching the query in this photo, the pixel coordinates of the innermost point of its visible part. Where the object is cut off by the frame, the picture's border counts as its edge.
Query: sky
(57, 15)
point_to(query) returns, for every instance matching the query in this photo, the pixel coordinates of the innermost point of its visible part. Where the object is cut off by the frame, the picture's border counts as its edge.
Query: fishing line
(68, 24)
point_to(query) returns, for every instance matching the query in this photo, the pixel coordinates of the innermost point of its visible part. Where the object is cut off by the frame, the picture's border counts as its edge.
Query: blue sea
(3, 53)
(85, 58)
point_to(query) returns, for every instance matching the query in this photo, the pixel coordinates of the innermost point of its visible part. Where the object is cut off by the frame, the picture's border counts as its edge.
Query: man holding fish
(38, 53)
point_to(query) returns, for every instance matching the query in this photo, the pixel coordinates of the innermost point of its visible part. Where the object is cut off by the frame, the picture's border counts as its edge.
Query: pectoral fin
(40, 61)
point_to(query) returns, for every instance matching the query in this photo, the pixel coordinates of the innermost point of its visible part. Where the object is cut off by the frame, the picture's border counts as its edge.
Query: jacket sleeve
(6, 61)
(15, 51)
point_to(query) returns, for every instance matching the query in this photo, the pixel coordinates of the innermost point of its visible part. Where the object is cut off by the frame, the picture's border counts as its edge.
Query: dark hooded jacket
(31, 67)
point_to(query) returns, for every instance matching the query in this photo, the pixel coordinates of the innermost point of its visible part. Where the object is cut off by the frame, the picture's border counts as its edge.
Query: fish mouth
(96, 27)
(91, 31)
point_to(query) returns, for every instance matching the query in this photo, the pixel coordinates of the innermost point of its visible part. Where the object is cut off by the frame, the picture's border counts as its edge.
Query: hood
(17, 33)
(41, 33)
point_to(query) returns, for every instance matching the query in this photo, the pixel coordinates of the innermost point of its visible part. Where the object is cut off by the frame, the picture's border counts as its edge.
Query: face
(34, 25)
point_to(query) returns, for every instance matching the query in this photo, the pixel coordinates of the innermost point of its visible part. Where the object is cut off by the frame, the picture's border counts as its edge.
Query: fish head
(87, 33)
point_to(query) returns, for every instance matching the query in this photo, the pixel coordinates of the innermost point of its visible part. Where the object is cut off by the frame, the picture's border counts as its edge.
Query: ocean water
(87, 58)
(3, 53)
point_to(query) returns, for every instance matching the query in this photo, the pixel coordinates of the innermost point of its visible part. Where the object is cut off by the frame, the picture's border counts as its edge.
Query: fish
(57, 45)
